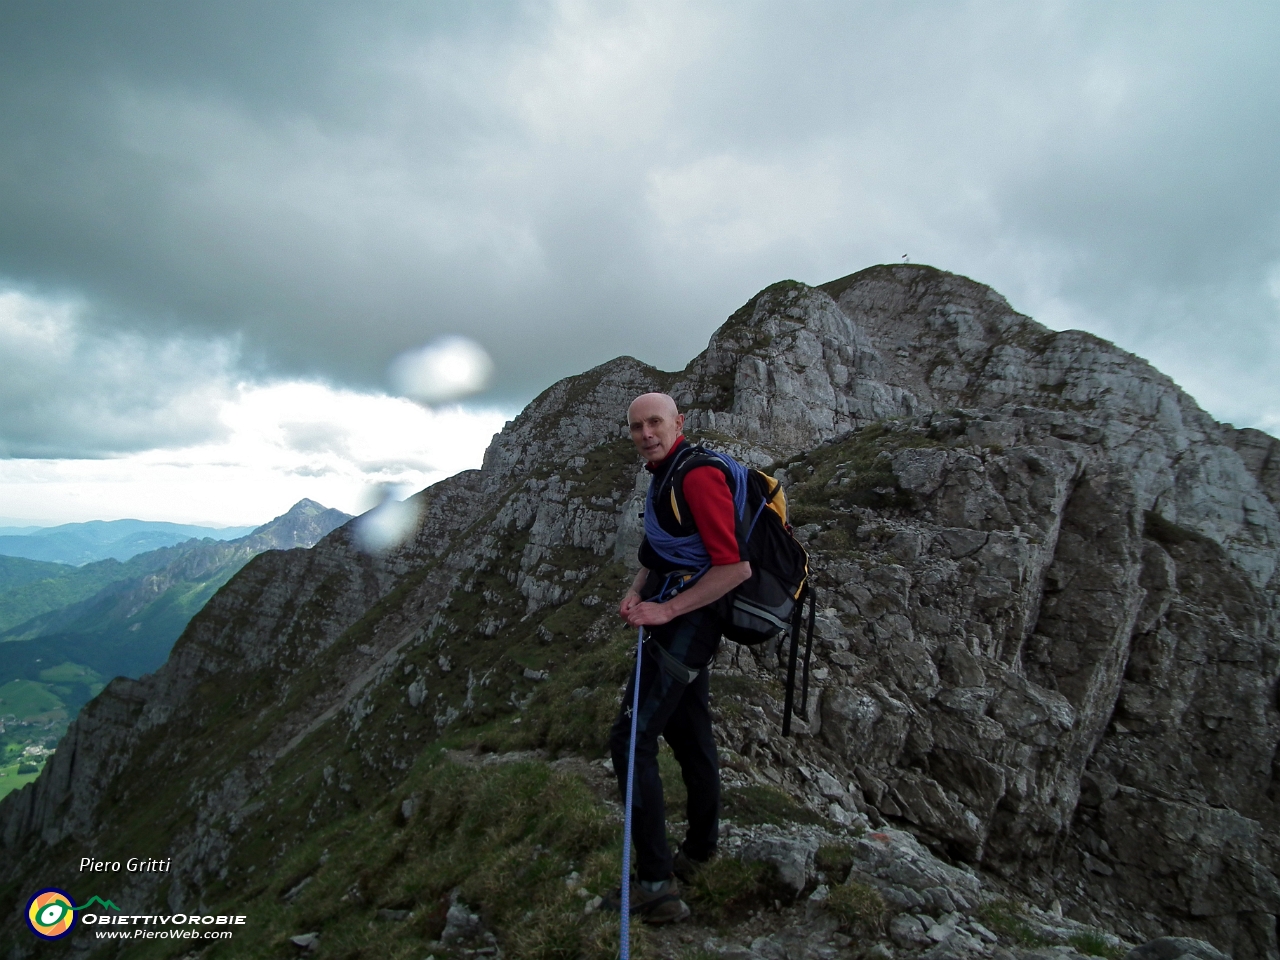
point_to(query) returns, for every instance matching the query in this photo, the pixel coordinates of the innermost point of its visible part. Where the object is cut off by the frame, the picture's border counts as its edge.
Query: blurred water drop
(387, 525)
(443, 370)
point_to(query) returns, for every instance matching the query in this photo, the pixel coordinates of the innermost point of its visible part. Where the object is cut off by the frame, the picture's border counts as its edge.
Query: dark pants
(680, 712)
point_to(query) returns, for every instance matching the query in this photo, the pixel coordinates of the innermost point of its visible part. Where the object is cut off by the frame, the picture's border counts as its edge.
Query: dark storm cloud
(70, 392)
(567, 182)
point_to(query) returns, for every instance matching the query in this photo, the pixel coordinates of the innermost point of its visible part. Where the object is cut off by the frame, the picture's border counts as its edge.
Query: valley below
(65, 631)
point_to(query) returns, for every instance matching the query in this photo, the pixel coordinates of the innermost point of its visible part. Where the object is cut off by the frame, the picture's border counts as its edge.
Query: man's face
(655, 425)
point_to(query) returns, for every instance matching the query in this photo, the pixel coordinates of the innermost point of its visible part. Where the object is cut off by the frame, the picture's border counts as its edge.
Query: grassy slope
(11, 780)
(119, 638)
(24, 698)
(16, 571)
(333, 847)
(120, 619)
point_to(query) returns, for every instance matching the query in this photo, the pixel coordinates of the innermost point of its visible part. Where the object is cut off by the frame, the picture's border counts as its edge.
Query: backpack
(772, 601)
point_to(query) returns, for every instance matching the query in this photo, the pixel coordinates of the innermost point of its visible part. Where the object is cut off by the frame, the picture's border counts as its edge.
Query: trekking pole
(625, 946)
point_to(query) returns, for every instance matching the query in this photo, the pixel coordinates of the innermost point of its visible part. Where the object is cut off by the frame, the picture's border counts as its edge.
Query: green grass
(1002, 917)
(1094, 944)
(674, 793)
(835, 860)
(855, 471)
(562, 935)
(506, 836)
(608, 467)
(70, 673)
(725, 889)
(26, 699)
(11, 780)
(761, 804)
(574, 709)
(29, 588)
(748, 688)
(858, 907)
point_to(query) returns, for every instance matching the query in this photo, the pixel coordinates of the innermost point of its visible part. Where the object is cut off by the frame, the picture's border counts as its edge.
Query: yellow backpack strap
(774, 496)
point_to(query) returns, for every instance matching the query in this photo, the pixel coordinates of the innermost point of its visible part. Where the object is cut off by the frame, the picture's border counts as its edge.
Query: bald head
(655, 425)
(649, 403)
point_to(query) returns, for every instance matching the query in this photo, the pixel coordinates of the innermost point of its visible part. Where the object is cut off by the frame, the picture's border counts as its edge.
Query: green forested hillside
(29, 588)
(65, 631)
(16, 571)
(114, 618)
(45, 680)
(127, 627)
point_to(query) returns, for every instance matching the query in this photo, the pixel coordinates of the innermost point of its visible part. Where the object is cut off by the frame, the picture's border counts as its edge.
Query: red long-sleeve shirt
(711, 503)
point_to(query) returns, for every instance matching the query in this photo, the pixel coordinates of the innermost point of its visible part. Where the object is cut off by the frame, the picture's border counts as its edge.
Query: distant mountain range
(81, 543)
(65, 630)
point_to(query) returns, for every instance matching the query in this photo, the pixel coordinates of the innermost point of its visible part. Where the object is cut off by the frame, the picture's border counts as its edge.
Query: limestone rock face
(1046, 645)
(1081, 592)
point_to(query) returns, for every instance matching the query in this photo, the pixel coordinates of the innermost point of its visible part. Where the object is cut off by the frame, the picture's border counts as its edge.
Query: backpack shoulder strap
(673, 483)
(695, 457)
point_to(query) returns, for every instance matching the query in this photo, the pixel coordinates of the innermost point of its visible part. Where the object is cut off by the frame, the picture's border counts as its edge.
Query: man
(690, 500)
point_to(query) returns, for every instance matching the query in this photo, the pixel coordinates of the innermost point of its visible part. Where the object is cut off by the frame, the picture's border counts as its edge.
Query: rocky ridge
(1046, 657)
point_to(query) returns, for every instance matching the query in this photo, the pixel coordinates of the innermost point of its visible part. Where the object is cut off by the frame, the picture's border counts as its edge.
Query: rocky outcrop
(1077, 590)
(1260, 454)
(1047, 645)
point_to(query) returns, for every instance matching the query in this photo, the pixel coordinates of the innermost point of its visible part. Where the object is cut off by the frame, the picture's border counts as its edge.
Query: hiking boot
(657, 906)
(685, 867)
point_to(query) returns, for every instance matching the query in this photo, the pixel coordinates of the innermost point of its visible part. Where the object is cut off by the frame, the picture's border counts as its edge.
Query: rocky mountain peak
(799, 365)
(302, 525)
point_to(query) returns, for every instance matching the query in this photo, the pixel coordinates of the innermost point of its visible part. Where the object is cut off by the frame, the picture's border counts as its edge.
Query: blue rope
(626, 827)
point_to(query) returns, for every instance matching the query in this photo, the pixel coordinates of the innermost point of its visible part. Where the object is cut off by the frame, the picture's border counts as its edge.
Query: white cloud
(112, 425)
(739, 206)
(603, 77)
(67, 390)
(567, 181)
(284, 441)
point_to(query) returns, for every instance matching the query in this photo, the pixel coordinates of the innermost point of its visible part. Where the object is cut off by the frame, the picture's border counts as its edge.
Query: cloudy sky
(221, 223)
